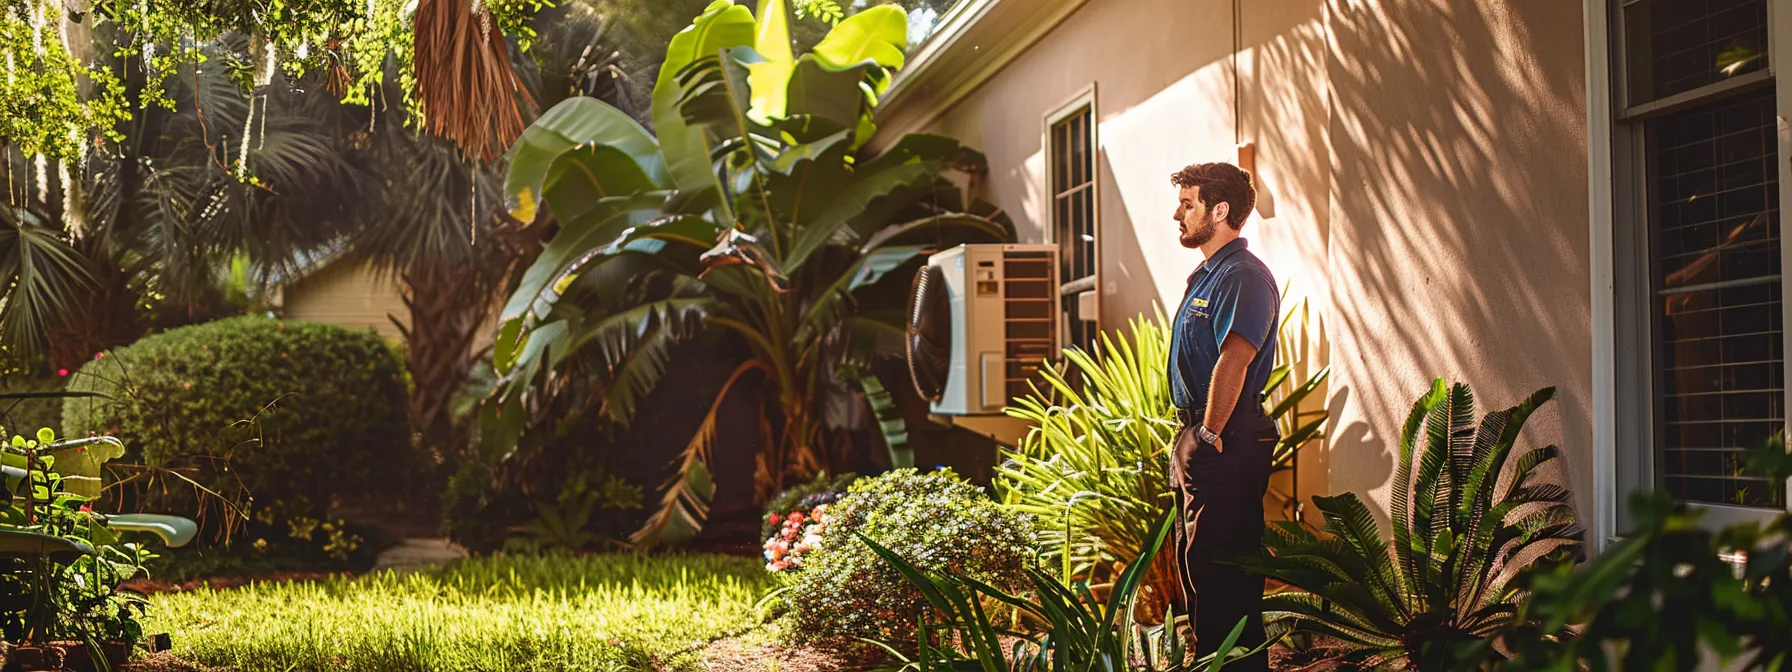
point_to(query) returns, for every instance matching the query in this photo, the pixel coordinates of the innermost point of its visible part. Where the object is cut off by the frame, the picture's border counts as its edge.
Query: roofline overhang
(974, 41)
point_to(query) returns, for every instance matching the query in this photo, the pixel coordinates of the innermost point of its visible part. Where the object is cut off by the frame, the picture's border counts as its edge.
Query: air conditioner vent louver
(1030, 334)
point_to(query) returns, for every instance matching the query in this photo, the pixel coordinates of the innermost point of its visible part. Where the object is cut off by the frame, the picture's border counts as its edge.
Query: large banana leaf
(573, 123)
(687, 150)
(771, 75)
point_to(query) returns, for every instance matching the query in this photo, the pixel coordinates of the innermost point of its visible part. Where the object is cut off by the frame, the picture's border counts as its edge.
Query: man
(1221, 354)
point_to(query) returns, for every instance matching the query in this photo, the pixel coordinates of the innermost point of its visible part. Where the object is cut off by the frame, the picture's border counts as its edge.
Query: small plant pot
(35, 658)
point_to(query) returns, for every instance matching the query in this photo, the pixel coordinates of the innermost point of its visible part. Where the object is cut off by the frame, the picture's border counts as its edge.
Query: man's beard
(1200, 236)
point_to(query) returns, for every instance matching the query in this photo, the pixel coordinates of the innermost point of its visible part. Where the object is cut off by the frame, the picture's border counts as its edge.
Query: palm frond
(44, 275)
(465, 86)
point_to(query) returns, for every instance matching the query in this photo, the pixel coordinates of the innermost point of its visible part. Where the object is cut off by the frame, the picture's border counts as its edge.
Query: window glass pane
(1073, 213)
(1676, 46)
(1715, 260)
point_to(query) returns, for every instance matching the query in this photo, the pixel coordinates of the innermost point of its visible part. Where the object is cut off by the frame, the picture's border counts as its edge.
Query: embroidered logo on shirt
(1199, 302)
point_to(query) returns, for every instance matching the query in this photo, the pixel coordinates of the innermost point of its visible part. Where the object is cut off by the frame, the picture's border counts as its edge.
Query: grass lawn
(609, 612)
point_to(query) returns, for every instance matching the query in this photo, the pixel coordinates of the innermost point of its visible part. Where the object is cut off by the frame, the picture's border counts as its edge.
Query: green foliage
(299, 412)
(1093, 468)
(750, 211)
(1468, 519)
(1080, 632)
(42, 108)
(597, 612)
(940, 522)
(827, 11)
(60, 561)
(568, 523)
(1665, 596)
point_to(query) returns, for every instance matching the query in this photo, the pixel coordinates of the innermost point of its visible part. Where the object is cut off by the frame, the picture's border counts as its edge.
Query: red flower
(772, 519)
(796, 517)
(87, 507)
(62, 372)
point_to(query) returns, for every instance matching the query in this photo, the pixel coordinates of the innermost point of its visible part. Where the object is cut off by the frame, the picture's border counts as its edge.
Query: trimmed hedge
(304, 412)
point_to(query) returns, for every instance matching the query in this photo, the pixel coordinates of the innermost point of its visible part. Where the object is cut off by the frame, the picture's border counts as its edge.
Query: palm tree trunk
(439, 353)
(450, 307)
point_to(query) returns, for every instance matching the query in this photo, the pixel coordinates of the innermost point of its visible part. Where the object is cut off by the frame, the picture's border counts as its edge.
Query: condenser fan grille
(929, 332)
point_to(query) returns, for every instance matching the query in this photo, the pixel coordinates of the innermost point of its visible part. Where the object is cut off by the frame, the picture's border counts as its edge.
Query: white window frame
(1623, 375)
(1086, 98)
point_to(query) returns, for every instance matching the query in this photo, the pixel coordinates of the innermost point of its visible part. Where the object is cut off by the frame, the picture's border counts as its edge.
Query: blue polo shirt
(1232, 292)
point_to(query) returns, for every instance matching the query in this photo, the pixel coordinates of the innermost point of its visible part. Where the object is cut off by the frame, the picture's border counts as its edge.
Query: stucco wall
(1423, 178)
(1459, 220)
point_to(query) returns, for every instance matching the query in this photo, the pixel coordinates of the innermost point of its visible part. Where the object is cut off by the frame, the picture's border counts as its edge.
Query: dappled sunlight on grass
(510, 613)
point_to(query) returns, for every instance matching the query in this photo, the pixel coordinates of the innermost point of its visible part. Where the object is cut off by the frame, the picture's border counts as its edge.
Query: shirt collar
(1219, 257)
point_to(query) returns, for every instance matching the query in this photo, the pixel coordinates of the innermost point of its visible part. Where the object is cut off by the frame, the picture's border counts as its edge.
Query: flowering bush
(796, 520)
(798, 535)
(938, 521)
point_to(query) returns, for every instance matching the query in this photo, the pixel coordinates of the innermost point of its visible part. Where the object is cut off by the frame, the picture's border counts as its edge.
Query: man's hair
(1221, 183)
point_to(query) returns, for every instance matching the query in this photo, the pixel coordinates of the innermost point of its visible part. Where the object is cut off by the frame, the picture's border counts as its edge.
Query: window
(1702, 344)
(1071, 155)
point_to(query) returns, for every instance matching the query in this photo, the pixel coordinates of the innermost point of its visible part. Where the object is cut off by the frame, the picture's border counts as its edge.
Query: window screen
(1676, 46)
(1715, 268)
(1073, 216)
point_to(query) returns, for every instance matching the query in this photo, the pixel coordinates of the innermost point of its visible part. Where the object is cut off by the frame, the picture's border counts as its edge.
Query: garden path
(417, 552)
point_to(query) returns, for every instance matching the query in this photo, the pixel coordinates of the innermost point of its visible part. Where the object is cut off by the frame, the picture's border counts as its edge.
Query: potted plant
(61, 562)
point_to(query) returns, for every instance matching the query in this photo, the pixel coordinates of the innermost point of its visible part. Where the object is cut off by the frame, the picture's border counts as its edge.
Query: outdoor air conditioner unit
(982, 319)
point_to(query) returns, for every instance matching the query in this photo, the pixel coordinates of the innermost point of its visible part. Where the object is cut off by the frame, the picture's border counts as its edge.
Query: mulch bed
(151, 586)
(737, 655)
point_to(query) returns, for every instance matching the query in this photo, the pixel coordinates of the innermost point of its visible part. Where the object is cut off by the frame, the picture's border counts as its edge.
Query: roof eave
(974, 41)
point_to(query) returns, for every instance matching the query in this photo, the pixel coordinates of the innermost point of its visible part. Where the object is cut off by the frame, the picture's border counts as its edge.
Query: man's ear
(1221, 210)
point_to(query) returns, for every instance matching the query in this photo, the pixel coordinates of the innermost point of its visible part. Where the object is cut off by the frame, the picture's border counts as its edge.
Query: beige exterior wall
(350, 295)
(1423, 172)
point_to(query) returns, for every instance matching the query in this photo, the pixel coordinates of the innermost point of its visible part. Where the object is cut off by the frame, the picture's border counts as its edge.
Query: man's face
(1196, 222)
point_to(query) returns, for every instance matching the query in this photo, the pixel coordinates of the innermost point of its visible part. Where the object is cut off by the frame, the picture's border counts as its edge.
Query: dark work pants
(1220, 506)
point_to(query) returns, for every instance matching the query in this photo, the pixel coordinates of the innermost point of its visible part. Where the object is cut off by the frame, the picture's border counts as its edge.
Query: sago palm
(749, 210)
(1469, 516)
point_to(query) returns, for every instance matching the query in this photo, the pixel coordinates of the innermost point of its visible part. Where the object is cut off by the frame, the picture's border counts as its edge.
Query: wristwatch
(1207, 435)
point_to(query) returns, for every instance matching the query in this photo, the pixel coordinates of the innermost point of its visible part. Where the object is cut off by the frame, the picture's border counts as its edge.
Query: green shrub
(940, 522)
(25, 415)
(302, 414)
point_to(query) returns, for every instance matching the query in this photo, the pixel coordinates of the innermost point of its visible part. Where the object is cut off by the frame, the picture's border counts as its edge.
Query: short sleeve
(1247, 307)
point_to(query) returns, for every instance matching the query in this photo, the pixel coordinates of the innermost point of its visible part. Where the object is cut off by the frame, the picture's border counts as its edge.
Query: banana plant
(749, 210)
(1471, 514)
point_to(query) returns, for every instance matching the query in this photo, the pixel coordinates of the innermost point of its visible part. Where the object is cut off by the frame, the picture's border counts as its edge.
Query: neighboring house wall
(356, 296)
(351, 295)
(1424, 162)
